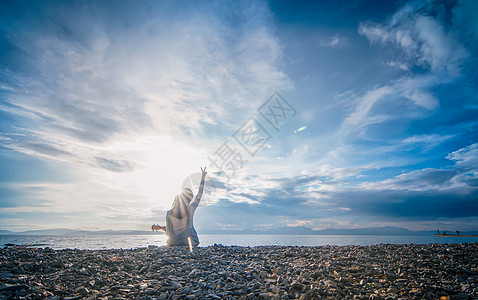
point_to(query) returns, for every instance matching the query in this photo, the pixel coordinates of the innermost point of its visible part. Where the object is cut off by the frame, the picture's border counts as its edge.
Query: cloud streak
(86, 83)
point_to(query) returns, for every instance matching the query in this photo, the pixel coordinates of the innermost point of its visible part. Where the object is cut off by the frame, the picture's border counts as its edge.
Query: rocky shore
(219, 272)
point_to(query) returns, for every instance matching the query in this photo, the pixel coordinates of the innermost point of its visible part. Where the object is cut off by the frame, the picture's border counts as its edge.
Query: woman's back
(179, 229)
(179, 220)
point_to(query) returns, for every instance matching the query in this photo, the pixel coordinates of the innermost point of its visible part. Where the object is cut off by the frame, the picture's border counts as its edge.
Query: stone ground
(218, 272)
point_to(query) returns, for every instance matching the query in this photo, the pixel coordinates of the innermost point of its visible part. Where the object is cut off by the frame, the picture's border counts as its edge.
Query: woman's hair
(187, 194)
(181, 202)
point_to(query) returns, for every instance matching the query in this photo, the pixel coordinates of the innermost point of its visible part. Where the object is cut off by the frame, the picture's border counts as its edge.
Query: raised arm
(196, 200)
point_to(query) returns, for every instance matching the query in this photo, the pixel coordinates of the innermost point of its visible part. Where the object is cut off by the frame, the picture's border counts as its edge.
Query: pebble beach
(432, 271)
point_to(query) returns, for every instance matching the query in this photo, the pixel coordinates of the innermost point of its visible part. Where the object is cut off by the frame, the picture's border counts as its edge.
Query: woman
(179, 220)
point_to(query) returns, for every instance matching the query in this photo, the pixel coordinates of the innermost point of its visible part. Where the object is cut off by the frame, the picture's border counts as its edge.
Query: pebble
(387, 272)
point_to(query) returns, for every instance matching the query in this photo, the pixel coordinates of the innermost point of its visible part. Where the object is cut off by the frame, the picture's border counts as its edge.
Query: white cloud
(335, 41)
(154, 76)
(133, 107)
(417, 37)
(466, 158)
(127, 107)
(371, 108)
(357, 121)
(400, 65)
(441, 50)
(427, 179)
(422, 98)
(427, 141)
(421, 39)
(457, 179)
(20, 112)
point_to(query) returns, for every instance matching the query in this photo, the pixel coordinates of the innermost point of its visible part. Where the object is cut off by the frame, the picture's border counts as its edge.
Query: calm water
(98, 242)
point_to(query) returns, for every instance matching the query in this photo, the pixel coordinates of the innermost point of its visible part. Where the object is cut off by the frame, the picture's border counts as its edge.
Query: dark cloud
(422, 195)
(46, 149)
(271, 206)
(99, 119)
(424, 179)
(291, 184)
(228, 214)
(405, 205)
(115, 165)
(26, 143)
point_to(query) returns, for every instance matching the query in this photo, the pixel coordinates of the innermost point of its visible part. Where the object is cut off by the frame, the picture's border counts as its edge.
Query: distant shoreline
(455, 235)
(298, 230)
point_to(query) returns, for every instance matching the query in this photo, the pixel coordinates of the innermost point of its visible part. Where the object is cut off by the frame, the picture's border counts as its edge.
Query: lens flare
(300, 129)
(190, 244)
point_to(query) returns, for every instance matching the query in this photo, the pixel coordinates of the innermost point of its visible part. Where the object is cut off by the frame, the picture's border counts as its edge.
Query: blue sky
(107, 107)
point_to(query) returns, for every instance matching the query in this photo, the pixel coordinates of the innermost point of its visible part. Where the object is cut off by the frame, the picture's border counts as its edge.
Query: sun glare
(163, 164)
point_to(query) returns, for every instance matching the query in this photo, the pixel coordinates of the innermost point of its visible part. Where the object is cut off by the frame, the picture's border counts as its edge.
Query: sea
(102, 242)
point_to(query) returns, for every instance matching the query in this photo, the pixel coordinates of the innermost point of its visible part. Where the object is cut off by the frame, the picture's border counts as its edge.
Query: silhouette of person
(179, 219)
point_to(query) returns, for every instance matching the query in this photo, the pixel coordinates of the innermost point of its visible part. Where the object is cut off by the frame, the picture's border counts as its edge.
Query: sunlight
(164, 164)
(161, 164)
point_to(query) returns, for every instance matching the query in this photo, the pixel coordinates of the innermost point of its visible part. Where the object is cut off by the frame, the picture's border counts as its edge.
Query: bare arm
(196, 201)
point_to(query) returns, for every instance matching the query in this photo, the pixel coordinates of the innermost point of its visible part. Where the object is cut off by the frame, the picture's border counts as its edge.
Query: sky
(324, 114)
